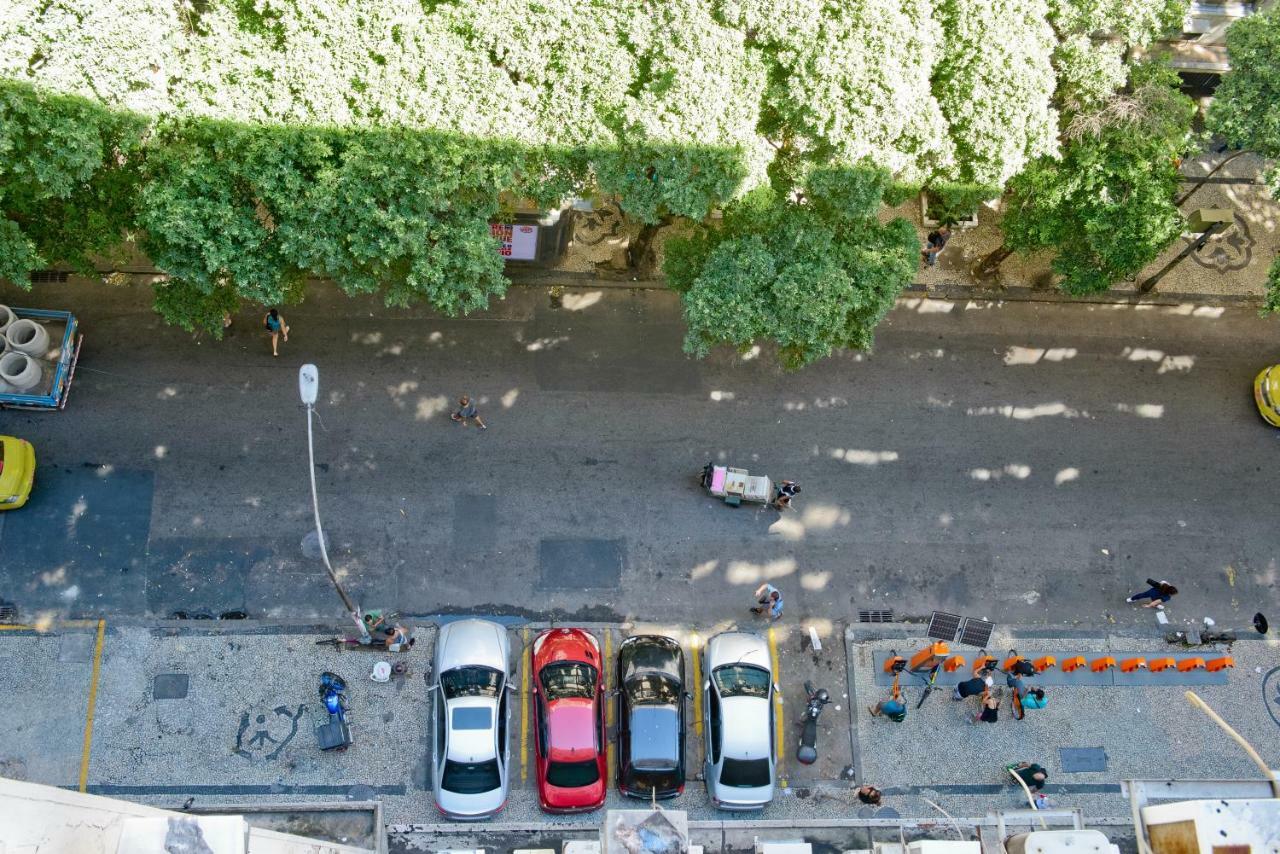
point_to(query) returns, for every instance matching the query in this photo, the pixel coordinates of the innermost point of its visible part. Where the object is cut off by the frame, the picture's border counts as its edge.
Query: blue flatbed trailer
(57, 389)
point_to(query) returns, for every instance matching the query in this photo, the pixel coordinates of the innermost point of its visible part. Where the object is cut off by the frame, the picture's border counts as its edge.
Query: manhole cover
(361, 793)
(170, 686)
(76, 649)
(1077, 759)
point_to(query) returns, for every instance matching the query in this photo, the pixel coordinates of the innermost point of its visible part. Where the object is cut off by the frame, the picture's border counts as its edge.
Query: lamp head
(309, 383)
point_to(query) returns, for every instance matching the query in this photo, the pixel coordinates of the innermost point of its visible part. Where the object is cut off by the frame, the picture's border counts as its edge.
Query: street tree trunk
(639, 250)
(990, 265)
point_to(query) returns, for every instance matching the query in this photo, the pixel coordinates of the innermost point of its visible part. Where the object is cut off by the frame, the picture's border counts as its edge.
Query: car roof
(746, 727)
(735, 647)
(571, 730)
(472, 745)
(655, 733)
(469, 643)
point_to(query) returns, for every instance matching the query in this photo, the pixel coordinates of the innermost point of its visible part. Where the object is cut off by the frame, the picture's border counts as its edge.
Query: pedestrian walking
(467, 411)
(893, 709)
(971, 687)
(869, 795)
(770, 598)
(1159, 592)
(989, 711)
(1033, 775)
(935, 243)
(273, 322)
(785, 492)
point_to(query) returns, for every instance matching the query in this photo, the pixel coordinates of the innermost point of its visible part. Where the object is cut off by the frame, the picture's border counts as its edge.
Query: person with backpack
(274, 323)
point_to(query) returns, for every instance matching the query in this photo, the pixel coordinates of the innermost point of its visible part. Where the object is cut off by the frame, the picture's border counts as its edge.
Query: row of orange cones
(938, 653)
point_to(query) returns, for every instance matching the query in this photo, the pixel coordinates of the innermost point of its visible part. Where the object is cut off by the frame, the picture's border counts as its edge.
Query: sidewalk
(1142, 732)
(221, 714)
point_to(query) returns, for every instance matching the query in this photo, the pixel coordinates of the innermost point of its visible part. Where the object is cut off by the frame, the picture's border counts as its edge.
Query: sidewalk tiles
(1145, 731)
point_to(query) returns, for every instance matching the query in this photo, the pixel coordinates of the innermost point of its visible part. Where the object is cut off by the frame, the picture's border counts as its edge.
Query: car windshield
(568, 679)
(471, 718)
(742, 680)
(571, 775)
(470, 778)
(470, 682)
(745, 773)
(653, 689)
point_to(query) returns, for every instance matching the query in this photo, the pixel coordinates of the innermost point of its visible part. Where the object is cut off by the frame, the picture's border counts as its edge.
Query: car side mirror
(776, 689)
(687, 695)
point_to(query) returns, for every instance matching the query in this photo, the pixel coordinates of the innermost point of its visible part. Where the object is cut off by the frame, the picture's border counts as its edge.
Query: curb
(946, 290)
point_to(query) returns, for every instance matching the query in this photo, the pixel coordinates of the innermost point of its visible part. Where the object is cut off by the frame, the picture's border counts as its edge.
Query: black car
(650, 717)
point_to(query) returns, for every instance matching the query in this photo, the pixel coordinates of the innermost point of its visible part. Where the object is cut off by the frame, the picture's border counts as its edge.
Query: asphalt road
(1026, 462)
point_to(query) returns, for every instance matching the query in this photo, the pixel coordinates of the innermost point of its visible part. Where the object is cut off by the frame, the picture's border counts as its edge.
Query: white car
(469, 702)
(738, 702)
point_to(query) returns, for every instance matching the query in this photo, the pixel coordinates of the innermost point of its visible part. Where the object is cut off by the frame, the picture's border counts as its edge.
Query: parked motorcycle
(808, 752)
(333, 732)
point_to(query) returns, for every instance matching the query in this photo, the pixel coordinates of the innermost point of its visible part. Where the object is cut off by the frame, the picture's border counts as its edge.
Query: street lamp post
(309, 390)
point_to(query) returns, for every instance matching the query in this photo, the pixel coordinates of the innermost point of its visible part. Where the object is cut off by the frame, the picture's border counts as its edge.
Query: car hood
(730, 647)
(470, 643)
(649, 653)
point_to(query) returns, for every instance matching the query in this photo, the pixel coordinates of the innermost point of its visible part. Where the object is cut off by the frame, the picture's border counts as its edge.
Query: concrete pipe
(6, 317)
(27, 336)
(20, 371)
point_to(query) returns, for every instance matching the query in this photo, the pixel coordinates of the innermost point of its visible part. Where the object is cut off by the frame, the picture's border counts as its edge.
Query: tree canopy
(248, 144)
(1246, 107)
(812, 270)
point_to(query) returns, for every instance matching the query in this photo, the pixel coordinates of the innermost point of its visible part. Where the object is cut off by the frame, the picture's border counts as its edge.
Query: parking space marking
(93, 697)
(777, 697)
(608, 705)
(524, 705)
(694, 641)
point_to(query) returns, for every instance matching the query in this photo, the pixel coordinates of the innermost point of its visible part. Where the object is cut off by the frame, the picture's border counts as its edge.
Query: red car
(568, 707)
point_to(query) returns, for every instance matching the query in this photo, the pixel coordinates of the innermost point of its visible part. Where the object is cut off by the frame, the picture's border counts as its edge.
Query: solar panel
(943, 626)
(866, 615)
(976, 632)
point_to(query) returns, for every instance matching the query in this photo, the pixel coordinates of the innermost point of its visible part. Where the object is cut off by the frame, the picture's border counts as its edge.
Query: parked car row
(471, 747)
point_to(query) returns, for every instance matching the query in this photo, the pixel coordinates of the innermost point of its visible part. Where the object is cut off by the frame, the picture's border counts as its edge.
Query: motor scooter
(332, 730)
(808, 752)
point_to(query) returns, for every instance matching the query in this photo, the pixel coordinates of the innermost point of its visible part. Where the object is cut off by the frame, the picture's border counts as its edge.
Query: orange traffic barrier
(1158, 664)
(1073, 663)
(927, 657)
(1188, 664)
(954, 663)
(1131, 664)
(1100, 664)
(1043, 664)
(894, 663)
(1213, 665)
(983, 662)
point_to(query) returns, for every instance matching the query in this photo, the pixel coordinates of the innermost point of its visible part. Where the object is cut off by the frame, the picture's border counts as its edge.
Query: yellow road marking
(93, 699)
(695, 653)
(610, 759)
(65, 624)
(524, 704)
(777, 697)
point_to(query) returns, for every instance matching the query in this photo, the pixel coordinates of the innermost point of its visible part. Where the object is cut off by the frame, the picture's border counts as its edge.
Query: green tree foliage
(994, 85)
(811, 271)
(68, 173)
(371, 140)
(1246, 107)
(1106, 206)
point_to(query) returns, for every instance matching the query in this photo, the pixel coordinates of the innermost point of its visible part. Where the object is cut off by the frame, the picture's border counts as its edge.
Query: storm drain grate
(48, 277)
(874, 616)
